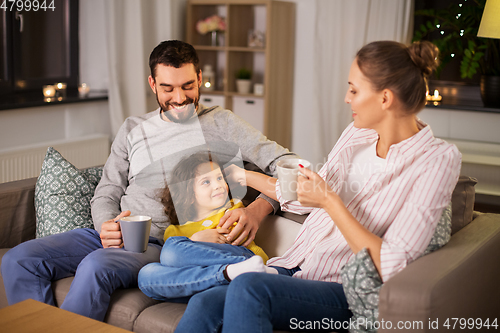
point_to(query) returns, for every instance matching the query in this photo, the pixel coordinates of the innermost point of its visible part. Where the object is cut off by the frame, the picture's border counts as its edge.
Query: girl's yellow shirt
(190, 228)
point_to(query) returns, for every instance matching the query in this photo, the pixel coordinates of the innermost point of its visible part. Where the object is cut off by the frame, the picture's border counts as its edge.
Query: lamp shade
(490, 22)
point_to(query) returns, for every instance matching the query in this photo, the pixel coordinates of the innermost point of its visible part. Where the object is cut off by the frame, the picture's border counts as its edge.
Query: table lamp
(490, 22)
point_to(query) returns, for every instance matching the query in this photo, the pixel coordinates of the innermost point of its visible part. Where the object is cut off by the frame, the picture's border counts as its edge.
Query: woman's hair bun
(425, 56)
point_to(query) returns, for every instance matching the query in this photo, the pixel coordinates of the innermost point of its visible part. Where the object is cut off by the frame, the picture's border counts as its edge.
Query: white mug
(288, 172)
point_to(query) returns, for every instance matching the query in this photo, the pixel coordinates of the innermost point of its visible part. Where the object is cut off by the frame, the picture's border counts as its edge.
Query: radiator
(26, 162)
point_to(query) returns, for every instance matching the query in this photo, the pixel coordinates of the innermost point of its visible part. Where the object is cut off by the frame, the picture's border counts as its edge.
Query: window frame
(9, 86)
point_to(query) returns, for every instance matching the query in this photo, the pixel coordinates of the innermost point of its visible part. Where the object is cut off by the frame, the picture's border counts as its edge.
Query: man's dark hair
(173, 53)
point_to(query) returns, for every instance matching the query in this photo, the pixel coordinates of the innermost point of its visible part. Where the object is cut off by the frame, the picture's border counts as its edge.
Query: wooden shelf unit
(272, 65)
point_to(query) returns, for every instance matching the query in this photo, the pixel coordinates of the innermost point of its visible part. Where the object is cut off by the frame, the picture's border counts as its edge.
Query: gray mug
(135, 232)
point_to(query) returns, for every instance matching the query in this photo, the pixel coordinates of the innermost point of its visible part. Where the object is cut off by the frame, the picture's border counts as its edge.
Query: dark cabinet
(38, 47)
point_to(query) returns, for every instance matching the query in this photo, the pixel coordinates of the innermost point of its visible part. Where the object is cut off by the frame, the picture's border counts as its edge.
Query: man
(144, 149)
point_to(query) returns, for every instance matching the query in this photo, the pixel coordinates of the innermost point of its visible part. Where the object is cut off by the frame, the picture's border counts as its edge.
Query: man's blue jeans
(188, 267)
(259, 302)
(29, 269)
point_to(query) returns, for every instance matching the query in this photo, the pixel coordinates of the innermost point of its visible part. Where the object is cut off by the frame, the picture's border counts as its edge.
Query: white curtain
(341, 28)
(133, 28)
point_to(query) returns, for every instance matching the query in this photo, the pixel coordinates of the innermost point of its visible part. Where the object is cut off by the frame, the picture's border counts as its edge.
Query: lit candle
(61, 89)
(61, 86)
(83, 90)
(435, 97)
(49, 91)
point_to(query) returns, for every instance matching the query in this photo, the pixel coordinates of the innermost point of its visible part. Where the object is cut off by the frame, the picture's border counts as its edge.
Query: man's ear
(387, 99)
(199, 79)
(152, 83)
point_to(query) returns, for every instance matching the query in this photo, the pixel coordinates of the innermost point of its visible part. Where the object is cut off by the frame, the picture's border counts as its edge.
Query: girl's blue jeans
(260, 302)
(29, 269)
(187, 267)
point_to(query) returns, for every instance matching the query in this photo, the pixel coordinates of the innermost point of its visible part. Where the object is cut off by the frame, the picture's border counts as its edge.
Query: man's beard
(176, 117)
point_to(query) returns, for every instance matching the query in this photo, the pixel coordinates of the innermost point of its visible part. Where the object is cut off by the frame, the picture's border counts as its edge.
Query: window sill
(461, 105)
(27, 100)
(457, 96)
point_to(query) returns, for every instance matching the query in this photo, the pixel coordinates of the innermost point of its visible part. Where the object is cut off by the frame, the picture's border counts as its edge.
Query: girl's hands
(235, 174)
(211, 236)
(312, 190)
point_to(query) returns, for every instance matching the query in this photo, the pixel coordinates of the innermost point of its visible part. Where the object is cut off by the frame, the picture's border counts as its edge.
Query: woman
(384, 187)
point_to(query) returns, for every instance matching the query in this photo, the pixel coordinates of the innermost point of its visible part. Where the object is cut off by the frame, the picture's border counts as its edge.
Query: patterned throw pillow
(62, 195)
(362, 283)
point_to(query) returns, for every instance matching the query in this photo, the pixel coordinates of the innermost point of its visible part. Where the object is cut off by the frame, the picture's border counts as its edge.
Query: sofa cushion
(362, 283)
(3, 295)
(62, 195)
(442, 234)
(462, 202)
(124, 308)
(17, 213)
(160, 318)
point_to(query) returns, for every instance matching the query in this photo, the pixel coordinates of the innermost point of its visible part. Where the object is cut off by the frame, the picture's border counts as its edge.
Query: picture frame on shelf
(256, 39)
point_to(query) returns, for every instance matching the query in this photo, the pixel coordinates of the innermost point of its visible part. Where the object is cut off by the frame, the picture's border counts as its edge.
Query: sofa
(457, 281)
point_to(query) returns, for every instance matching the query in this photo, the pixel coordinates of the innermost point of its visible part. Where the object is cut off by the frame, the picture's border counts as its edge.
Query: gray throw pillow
(362, 283)
(62, 195)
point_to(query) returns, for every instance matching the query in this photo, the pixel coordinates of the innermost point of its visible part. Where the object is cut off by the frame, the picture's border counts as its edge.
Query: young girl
(406, 178)
(196, 254)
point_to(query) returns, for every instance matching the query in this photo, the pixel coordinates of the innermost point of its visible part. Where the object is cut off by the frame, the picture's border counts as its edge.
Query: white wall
(303, 91)
(93, 51)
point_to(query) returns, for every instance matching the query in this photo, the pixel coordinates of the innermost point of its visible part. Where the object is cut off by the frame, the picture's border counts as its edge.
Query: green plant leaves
(457, 38)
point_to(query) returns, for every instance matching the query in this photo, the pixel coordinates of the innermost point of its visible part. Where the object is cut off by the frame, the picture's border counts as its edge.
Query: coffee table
(33, 316)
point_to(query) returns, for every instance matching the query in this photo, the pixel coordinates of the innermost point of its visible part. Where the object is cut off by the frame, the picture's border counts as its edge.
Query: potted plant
(243, 80)
(454, 31)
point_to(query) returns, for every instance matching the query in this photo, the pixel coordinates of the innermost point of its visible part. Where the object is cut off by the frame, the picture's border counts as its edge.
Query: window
(38, 47)
(459, 17)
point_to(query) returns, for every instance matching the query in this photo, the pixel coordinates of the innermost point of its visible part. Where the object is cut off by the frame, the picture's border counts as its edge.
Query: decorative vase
(215, 38)
(243, 86)
(490, 90)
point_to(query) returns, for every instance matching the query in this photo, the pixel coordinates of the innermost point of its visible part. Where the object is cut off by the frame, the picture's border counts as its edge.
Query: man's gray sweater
(147, 147)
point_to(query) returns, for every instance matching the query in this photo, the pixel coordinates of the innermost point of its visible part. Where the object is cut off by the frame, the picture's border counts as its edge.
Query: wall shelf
(271, 65)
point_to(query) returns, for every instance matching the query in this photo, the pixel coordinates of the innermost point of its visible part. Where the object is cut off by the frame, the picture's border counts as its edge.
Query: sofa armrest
(458, 281)
(17, 212)
(276, 234)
